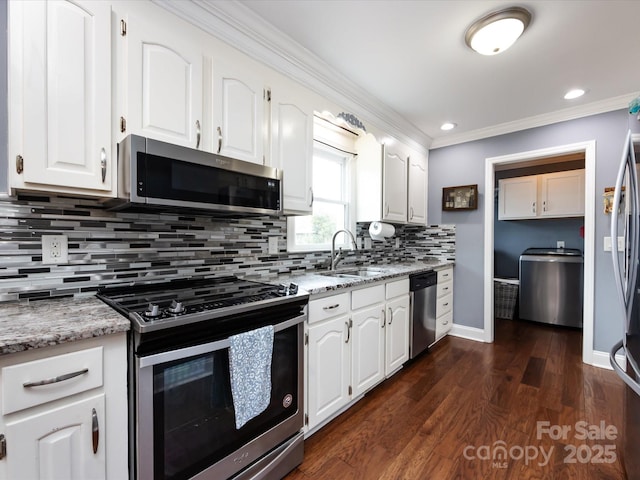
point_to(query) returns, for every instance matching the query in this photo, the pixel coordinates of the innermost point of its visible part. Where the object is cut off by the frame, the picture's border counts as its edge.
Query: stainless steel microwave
(154, 175)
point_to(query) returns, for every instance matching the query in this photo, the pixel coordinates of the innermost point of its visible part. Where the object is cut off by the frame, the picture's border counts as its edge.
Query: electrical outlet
(608, 244)
(55, 249)
(560, 244)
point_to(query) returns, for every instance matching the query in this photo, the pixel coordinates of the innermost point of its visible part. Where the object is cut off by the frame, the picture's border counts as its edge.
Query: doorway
(587, 149)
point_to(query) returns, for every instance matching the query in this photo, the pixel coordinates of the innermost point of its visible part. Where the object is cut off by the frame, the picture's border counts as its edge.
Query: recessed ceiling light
(494, 33)
(575, 93)
(448, 126)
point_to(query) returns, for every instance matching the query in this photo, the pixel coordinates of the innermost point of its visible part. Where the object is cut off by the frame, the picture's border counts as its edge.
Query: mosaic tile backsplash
(116, 247)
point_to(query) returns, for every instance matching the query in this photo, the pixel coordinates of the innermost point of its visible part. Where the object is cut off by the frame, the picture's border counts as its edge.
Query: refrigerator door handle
(623, 287)
(633, 385)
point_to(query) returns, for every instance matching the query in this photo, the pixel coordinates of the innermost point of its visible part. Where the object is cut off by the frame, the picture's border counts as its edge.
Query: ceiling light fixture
(448, 126)
(494, 33)
(575, 93)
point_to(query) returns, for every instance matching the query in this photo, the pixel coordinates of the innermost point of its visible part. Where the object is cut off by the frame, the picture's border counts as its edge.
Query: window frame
(349, 201)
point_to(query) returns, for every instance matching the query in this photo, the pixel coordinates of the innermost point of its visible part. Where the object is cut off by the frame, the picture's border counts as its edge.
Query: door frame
(589, 150)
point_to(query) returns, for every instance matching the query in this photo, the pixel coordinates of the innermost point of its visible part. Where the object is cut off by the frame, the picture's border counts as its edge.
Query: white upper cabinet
(562, 194)
(163, 77)
(394, 185)
(391, 183)
(417, 194)
(236, 123)
(550, 195)
(517, 197)
(292, 148)
(60, 97)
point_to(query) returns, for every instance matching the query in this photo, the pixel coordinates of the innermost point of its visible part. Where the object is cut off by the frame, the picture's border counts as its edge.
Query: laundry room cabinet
(550, 195)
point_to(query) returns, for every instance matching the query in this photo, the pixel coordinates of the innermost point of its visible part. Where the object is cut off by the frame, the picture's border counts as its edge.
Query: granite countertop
(317, 281)
(43, 323)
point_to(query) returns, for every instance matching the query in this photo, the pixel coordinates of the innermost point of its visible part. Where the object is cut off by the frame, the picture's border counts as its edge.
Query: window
(331, 203)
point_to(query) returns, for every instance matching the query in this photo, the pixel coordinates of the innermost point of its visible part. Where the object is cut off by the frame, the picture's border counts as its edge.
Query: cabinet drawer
(445, 275)
(328, 307)
(397, 288)
(62, 375)
(444, 289)
(444, 305)
(367, 296)
(443, 324)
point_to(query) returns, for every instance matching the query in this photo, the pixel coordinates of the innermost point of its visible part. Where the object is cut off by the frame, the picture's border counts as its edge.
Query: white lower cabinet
(58, 443)
(329, 363)
(64, 413)
(397, 328)
(354, 341)
(444, 302)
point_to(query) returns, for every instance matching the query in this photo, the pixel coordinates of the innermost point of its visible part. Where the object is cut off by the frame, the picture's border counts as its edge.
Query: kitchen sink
(353, 273)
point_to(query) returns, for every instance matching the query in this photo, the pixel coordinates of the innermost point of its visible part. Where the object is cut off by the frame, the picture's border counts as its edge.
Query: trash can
(505, 291)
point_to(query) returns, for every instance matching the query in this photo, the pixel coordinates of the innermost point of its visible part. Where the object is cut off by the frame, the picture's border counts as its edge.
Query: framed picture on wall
(464, 197)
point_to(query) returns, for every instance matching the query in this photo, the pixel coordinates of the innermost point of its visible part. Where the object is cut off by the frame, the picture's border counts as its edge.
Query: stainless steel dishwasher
(422, 287)
(551, 286)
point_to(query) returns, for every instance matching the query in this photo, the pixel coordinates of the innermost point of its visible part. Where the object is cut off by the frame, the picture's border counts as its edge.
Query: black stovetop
(152, 306)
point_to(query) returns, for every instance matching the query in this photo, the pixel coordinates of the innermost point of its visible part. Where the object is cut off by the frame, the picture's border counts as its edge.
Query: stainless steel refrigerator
(625, 220)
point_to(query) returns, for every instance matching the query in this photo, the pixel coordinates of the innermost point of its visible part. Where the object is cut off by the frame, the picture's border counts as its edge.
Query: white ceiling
(410, 55)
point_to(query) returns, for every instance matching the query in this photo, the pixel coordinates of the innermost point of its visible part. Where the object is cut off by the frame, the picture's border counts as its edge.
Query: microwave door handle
(633, 385)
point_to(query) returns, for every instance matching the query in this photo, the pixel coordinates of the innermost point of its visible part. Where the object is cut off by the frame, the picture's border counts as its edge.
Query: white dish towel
(250, 356)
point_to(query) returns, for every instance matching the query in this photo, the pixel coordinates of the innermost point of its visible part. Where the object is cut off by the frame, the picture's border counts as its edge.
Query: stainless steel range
(183, 420)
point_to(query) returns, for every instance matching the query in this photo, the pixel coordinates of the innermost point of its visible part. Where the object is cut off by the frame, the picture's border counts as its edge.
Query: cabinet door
(238, 113)
(164, 80)
(397, 334)
(329, 368)
(367, 350)
(562, 194)
(58, 443)
(394, 188)
(292, 129)
(417, 194)
(61, 95)
(517, 197)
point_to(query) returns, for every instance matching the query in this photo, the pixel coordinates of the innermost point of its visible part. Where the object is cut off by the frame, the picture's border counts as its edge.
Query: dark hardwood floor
(447, 414)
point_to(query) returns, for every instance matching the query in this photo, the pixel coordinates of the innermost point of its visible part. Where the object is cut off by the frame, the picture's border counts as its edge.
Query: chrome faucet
(336, 257)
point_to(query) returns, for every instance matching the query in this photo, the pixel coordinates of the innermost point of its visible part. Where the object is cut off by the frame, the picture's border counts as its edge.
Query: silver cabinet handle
(348, 325)
(445, 304)
(103, 163)
(219, 139)
(544, 206)
(331, 307)
(311, 192)
(410, 213)
(198, 134)
(533, 207)
(95, 430)
(387, 210)
(390, 316)
(384, 318)
(61, 378)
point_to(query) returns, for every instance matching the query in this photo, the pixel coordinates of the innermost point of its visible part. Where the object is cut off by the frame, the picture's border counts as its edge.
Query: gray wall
(512, 237)
(464, 164)
(3, 97)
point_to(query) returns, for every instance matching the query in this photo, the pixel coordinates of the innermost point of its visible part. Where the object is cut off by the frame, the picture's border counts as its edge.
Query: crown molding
(240, 27)
(572, 113)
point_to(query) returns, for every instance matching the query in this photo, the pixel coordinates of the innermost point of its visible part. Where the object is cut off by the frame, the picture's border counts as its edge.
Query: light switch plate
(560, 244)
(273, 245)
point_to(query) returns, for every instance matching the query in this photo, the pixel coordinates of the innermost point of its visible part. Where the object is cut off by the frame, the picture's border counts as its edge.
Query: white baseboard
(601, 360)
(470, 333)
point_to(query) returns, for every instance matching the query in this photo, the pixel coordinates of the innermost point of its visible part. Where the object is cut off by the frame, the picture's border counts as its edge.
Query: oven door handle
(171, 355)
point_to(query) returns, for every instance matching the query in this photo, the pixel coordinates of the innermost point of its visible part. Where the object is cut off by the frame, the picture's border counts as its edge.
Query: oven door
(185, 414)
